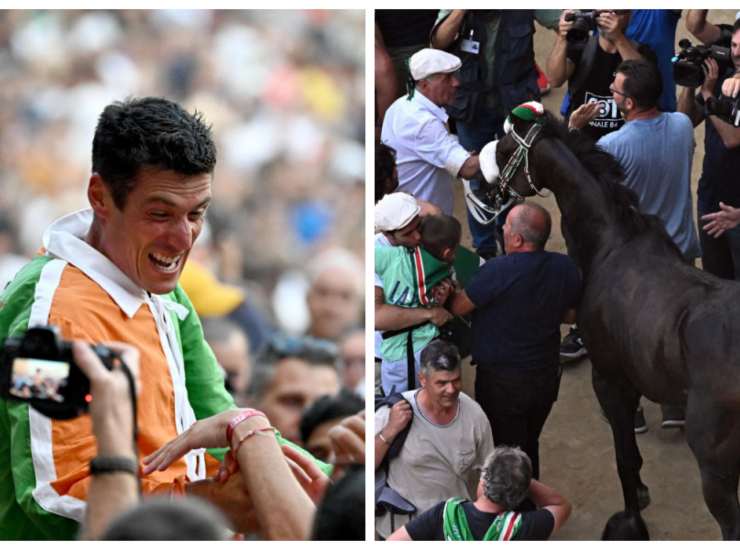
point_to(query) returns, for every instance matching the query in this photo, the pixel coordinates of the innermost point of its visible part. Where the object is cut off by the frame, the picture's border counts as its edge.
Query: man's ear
(447, 254)
(99, 196)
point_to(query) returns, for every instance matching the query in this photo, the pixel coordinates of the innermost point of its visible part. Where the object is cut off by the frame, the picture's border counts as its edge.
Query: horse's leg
(619, 401)
(713, 434)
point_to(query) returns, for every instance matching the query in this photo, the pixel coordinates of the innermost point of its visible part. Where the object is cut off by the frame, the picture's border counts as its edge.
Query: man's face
(735, 49)
(408, 236)
(352, 355)
(334, 303)
(319, 444)
(440, 88)
(617, 89)
(233, 356)
(150, 239)
(442, 386)
(295, 386)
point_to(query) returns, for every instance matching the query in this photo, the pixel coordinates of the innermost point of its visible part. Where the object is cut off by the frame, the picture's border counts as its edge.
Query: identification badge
(470, 46)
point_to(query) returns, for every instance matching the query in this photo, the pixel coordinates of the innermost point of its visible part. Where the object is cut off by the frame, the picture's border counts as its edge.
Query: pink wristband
(241, 417)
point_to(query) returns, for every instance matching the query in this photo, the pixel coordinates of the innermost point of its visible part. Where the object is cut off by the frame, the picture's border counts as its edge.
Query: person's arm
(558, 67)
(548, 498)
(386, 82)
(111, 493)
(390, 317)
(609, 28)
(731, 86)
(446, 32)
(688, 105)
(460, 303)
(729, 134)
(398, 418)
(580, 118)
(697, 24)
(718, 222)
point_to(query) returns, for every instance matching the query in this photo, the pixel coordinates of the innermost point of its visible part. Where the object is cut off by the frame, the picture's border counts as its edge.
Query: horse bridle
(519, 157)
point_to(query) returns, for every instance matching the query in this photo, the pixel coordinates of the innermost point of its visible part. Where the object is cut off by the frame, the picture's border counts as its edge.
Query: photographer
(720, 256)
(589, 66)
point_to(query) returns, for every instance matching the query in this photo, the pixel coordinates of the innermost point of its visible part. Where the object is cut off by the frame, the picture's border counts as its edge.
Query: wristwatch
(113, 465)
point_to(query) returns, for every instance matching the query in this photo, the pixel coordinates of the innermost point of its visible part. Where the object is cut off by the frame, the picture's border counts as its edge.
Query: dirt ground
(576, 449)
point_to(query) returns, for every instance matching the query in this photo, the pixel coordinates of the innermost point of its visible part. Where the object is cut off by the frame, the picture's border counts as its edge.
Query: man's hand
(608, 23)
(731, 86)
(711, 71)
(725, 218)
(439, 315)
(399, 418)
(583, 115)
(442, 291)
(111, 407)
(209, 432)
(307, 473)
(348, 440)
(563, 25)
(231, 498)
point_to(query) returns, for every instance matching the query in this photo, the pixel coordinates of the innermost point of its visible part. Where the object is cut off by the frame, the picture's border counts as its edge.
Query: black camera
(584, 21)
(726, 108)
(688, 64)
(39, 368)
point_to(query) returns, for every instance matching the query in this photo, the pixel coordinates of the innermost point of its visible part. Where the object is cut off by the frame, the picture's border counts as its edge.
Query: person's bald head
(527, 228)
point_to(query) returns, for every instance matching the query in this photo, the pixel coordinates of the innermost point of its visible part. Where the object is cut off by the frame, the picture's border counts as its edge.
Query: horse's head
(505, 164)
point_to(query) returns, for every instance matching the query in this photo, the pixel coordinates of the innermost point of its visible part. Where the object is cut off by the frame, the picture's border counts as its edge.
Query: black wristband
(114, 464)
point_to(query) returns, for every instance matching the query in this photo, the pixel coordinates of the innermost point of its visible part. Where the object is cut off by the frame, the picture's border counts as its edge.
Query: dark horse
(653, 324)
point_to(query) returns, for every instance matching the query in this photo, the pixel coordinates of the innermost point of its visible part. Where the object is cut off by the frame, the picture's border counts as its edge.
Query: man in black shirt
(506, 480)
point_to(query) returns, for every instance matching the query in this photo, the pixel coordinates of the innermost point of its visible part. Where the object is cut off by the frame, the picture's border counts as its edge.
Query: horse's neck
(586, 216)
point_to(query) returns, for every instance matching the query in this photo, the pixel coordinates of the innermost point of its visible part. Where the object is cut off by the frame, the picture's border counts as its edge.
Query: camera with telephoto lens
(726, 108)
(39, 368)
(688, 64)
(584, 21)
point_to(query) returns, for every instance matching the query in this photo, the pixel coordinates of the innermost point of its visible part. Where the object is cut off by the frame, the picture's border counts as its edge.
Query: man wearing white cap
(428, 157)
(397, 220)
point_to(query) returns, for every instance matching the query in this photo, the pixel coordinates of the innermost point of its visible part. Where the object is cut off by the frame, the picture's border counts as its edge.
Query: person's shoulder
(680, 120)
(562, 261)
(470, 404)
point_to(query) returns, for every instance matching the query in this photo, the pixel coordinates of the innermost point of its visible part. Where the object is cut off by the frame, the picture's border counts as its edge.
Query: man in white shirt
(428, 157)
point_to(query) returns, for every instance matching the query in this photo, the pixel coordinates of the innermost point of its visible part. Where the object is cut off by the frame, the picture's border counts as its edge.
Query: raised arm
(559, 68)
(445, 33)
(548, 498)
(697, 24)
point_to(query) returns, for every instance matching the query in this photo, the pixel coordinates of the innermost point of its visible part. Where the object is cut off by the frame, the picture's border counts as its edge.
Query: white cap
(395, 211)
(429, 61)
(487, 160)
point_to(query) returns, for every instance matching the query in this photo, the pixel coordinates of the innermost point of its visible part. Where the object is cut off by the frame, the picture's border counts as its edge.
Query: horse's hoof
(625, 526)
(643, 497)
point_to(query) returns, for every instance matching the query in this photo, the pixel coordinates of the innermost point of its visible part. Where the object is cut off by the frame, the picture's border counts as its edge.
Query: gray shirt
(437, 461)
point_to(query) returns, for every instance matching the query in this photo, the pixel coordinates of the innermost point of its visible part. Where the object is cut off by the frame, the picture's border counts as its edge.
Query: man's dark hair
(525, 225)
(341, 515)
(439, 232)
(506, 476)
(330, 407)
(314, 351)
(642, 82)
(385, 164)
(440, 355)
(736, 26)
(149, 131)
(164, 519)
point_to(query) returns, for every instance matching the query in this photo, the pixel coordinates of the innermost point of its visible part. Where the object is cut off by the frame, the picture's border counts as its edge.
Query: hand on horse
(399, 417)
(725, 218)
(583, 115)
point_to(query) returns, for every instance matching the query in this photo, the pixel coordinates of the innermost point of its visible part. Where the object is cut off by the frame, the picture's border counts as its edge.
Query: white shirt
(428, 157)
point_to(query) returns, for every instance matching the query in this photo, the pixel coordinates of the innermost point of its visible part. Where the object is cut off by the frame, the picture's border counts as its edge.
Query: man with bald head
(518, 302)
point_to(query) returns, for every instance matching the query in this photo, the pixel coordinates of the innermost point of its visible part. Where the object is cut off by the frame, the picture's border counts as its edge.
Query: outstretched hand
(725, 218)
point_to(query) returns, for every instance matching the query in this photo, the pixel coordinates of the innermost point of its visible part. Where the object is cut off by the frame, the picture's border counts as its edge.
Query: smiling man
(110, 273)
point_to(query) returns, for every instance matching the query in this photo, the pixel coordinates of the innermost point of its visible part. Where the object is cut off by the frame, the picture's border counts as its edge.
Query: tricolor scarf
(428, 272)
(455, 523)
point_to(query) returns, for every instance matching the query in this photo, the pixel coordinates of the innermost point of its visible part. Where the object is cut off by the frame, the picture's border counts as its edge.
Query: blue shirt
(520, 300)
(656, 156)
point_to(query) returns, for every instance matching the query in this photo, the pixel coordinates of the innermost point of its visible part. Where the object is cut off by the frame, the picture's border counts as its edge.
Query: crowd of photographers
(275, 276)
(445, 83)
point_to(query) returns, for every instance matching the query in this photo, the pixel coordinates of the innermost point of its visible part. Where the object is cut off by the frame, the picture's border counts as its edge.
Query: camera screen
(38, 378)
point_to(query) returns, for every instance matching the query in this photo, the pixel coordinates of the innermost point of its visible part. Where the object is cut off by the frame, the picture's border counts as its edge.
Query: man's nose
(455, 82)
(183, 234)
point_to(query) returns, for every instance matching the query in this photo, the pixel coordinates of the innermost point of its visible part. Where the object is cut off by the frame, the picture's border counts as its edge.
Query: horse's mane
(607, 172)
